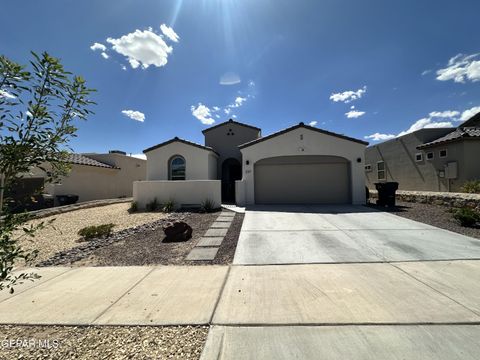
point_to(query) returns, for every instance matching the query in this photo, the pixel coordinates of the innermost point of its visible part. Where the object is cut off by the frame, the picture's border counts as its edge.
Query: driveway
(343, 234)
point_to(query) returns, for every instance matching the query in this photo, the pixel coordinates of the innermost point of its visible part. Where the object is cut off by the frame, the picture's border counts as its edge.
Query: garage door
(302, 180)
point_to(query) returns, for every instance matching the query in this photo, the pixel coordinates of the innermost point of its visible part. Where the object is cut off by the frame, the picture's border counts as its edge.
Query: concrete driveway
(343, 234)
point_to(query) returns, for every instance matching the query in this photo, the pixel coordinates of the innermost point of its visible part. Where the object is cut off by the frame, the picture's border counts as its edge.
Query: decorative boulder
(177, 231)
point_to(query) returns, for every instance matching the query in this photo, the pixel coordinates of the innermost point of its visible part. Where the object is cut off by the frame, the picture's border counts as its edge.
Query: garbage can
(67, 199)
(386, 193)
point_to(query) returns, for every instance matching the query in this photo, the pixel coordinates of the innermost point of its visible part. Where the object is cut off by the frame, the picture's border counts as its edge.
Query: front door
(231, 171)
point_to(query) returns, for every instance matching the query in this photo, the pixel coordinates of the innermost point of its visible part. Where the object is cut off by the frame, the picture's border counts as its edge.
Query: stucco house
(96, 176)
(298, 165)
(427, 159)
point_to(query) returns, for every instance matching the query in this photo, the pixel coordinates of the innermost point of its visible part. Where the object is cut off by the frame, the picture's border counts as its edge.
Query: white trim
(384, 171)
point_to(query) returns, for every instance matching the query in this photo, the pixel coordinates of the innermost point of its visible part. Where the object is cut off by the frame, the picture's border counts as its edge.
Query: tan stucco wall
(313, 143)
(95, 183)
(401, 166)
(227, 145)
(193, 192)
(199, 162)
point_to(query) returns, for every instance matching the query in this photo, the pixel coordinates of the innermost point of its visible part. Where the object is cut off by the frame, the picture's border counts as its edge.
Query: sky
(371, 69)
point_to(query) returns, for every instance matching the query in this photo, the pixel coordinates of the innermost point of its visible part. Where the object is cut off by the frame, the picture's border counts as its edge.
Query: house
(298, 165)
(96, 176)
(427, 159)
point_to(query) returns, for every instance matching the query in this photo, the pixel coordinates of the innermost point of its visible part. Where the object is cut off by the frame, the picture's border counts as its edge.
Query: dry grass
(63, 235)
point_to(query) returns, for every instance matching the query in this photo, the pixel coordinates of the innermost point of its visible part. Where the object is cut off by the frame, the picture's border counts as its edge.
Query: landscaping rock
(177, 231)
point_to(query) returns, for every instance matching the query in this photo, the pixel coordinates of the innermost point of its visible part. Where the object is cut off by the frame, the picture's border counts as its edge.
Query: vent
(117, 152)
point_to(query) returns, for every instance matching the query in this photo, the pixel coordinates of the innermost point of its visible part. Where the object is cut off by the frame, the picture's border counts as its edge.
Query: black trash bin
(67, 199)
(386, 193)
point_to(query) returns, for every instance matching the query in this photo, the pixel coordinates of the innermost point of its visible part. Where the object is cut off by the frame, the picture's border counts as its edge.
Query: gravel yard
(147, 248)
(435, 215)
(64, 233)
(112, 342)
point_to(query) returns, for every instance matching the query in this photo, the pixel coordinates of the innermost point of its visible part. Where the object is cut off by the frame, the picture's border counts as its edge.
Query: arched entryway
(231, 171)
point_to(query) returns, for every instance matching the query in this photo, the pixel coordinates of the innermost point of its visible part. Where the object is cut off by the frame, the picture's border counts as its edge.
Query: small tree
(37, 110)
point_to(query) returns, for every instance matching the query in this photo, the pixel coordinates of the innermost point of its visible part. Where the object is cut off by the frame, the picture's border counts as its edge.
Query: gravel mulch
(63, 234)
(145, 247)
(435, 215)
(109, 342)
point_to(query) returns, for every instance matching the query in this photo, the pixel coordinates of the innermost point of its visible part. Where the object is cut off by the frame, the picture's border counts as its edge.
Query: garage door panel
(301, 183)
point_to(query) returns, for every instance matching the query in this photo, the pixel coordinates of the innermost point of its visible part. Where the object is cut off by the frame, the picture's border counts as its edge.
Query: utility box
(451, 170)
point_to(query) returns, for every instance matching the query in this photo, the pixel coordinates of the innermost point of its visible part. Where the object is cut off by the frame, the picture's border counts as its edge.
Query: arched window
(176, 169)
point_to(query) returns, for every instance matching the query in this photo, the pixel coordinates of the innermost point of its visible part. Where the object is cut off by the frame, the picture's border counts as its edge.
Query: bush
(96, 231)
(208, 205)
(133, 207)
(472, 186)
(152, 205)
(169, 206)
(466, 217)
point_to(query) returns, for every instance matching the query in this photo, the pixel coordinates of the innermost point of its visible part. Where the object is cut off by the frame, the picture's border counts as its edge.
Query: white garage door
(302, 180)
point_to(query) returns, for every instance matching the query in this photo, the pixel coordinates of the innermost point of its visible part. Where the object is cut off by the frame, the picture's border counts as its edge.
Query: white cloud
(348, 96)
(6, 95)
(143, 48)
(353, 114)
(202, 113)
(169, 33)
(444, 114)
(215, 108)
(105, 55)
(140, 156)
(313, 123)
(227, 110)
(467, 114)
(461, 68)
(134, 115)
(230, 78)
(98, 46)
(239, 101)
(380, 137)
(426, 72)
(426, 123)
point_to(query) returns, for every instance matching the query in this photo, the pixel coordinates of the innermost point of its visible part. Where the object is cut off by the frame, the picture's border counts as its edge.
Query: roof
(231, 121)
(176, 139)
(474, 121)
(79, 159)
(301, 125)
(456, 135)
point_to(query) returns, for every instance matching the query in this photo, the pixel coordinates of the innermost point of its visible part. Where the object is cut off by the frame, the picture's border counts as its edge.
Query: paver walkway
(207, 247)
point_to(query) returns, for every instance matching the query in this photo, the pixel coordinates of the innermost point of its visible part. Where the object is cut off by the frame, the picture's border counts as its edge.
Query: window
(177, 168)
(443, 153)
(368, 167)
(418, 157)
(381, 175)
(430, 155)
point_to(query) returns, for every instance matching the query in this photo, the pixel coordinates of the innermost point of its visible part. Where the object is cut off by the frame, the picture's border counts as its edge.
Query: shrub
(96, 231)
(169, 206)
(472, 186)
(152, 205)
(466, 217)
(133, 207)
(208, 205)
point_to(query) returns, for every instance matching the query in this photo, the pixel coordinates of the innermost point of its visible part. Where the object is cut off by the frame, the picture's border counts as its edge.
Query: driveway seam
(372, 324)
(436, 290)
(35, 286)
(121, 296)
(359, 262)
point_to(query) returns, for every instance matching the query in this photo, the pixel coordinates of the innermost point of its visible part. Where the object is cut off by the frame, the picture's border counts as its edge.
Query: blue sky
(357, 68)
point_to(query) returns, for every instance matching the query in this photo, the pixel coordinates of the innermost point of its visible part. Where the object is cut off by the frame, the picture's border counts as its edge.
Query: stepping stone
(220, 225)
(225, 219)
(215, 232)
(202, 254)
(231, 214)
(210, 241)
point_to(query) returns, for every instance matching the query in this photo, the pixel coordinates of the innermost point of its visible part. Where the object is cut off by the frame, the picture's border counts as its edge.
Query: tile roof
(177, 139)
(301, 125)
(458, 134)
(79, 159)
(231, 121)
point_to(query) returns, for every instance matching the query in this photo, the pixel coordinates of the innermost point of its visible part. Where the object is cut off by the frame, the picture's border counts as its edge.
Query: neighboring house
(427, 159)
(298, 165)
(98, 176)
